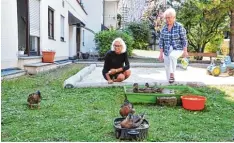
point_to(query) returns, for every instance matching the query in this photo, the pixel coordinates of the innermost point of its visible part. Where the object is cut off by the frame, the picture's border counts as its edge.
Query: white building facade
(39, 25)
(131, 10)
(110, 13)
(95, 10)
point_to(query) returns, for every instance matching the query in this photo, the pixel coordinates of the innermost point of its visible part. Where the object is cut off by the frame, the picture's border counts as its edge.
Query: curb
(105, 84)
(70, 82)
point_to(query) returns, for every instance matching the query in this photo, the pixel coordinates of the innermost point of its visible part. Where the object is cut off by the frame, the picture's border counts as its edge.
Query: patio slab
(154, 75)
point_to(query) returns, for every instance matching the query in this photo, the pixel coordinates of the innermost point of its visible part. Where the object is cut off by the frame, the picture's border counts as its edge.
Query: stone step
(11, 73)
(36, 68)
(28, 60)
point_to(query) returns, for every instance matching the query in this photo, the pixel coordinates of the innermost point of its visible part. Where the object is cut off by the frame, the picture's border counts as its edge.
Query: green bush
(141, 34)
(214, 45)
(104, 40)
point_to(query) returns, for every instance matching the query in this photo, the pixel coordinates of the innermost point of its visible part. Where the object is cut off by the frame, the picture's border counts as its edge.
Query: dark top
(114, 61)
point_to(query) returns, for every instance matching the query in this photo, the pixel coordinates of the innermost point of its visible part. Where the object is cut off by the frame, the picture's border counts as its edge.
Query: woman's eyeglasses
(117, 45)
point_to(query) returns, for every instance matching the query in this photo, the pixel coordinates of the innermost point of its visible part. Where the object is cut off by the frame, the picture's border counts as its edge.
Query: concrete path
(151, 73)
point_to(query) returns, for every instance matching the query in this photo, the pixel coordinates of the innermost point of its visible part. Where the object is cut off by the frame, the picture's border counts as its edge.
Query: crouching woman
(116, 65)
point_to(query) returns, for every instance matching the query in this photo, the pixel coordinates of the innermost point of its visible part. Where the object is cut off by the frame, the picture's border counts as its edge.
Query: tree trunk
(231, 47)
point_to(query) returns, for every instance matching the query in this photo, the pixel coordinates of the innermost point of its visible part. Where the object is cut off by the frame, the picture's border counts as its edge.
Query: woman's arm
(107, 61)
(184, 41)
(127, 65)
(183, 38)
(107, 65)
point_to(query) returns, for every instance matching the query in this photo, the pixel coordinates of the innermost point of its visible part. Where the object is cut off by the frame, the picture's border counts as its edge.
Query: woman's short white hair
(170, 12)
(124, 47)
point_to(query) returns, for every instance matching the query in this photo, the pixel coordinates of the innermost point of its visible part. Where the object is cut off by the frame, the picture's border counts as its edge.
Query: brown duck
(132, 121)
(34, 98)
(126, 108)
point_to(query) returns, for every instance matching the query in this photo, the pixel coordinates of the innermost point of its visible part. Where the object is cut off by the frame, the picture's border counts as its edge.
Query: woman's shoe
(171, 80)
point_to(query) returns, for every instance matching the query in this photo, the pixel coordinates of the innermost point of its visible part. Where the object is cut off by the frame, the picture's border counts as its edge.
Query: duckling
(148, 89)
(132, 121)
(147, 85)
(159, 90)
(34, 98)
(135, 87)
(126, 108)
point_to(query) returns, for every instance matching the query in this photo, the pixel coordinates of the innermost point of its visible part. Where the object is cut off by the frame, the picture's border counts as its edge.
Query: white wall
(72, 40)
(61, 48)
(94, 21)
(9, 34)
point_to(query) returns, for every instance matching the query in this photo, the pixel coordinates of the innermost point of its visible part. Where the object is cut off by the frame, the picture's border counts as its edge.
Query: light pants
(170, 61)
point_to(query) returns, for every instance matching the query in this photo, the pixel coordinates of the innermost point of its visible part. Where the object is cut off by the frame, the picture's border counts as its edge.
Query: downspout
(27, 27)
(103, 13)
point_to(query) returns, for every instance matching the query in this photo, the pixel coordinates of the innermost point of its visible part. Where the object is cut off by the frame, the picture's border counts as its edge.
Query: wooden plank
(203, 54)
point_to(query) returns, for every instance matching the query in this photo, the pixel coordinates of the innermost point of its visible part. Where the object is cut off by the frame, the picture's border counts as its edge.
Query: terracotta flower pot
(48, 56)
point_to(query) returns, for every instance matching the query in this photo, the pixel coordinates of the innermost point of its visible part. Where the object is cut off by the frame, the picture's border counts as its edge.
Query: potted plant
(48, 56)
(85, 55)
(21, 50)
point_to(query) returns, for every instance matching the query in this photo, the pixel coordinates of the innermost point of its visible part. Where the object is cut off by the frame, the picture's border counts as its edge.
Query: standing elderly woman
(172, 43)
(116, 65)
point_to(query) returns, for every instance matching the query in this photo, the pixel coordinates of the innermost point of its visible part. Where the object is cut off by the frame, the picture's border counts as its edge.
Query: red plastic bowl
(193, 102)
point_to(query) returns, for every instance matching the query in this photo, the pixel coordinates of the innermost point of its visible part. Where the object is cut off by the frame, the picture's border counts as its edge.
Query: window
(62, 28)
(50, 23)
(34, 45)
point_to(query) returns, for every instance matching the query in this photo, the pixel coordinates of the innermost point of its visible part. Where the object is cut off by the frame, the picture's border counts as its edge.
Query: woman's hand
(185, 54)
(112, 71)
(110, 81)
(160, 57)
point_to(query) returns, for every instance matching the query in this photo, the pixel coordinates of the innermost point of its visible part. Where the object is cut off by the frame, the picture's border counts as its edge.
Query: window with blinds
(34, 16)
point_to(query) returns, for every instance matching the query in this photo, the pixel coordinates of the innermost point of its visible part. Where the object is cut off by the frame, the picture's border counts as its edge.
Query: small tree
(203, 21)
(141, 34)
(119, 18)
(231, 53)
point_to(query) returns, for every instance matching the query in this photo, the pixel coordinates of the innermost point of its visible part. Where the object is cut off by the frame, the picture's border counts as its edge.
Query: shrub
(141, 34)
(214, 45)
(104, 40)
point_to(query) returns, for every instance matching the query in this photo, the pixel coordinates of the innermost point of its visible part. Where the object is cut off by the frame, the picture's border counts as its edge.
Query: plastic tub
(193, 102)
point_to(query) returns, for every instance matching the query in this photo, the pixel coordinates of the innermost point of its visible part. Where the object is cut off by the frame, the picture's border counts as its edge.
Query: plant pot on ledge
(20, 53)
(48, 56)
(85, 55)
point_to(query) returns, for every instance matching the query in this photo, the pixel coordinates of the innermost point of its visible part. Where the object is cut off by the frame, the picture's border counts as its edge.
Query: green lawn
(87, 114)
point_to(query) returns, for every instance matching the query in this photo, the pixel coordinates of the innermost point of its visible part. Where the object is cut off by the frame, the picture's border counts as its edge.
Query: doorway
(78, 42)
(22, 15)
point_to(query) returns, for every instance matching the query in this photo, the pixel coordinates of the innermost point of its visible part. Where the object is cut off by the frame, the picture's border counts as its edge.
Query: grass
(87, 114)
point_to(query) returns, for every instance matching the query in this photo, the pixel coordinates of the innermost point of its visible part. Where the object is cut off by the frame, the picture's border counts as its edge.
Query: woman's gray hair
(124, 47)
(170, 11)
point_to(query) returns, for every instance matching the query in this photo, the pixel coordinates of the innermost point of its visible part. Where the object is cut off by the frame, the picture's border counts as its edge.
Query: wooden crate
(166, 101)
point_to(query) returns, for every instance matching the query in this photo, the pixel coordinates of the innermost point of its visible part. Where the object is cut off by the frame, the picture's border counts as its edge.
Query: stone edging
(105, 84)
(70, 82)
